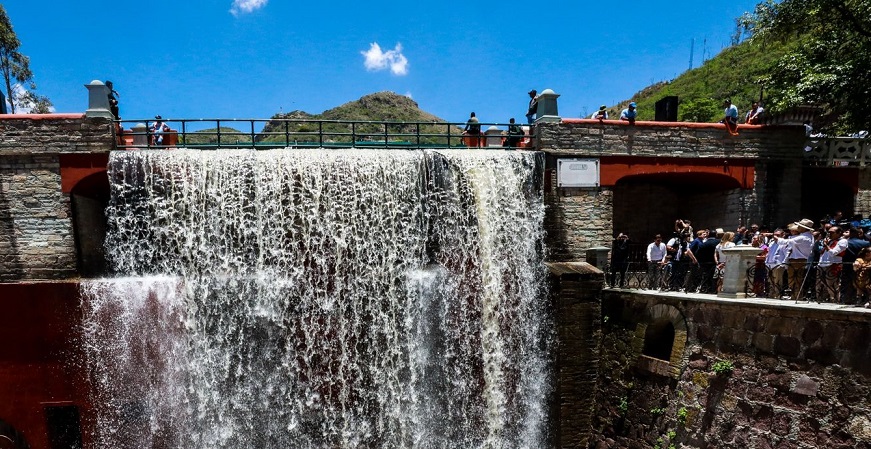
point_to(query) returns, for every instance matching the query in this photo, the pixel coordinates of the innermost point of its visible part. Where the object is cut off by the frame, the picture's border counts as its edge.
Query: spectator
(601, 114)
(656, 253)
(113, 100)
(754, 115)
(834, 246)
(629, 114)
(775, 261)
(158, 130)
(619, 259)
(725, 243)
(472, 131)
(706, 260)
(730, 118)
(800, 246)
(855, 243)
(533, 106)
(862, 268)
(515, 134)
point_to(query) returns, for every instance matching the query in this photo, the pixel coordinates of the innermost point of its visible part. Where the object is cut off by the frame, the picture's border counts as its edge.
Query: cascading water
(323, 299)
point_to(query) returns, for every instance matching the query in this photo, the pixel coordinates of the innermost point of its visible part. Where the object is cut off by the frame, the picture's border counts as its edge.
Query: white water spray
(321, 299)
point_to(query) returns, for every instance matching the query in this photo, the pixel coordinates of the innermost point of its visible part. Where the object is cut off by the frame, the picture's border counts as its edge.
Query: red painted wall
(612, 169)
(41, 360)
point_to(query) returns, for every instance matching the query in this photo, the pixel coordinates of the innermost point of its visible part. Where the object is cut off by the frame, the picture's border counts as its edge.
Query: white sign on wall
(577, 173)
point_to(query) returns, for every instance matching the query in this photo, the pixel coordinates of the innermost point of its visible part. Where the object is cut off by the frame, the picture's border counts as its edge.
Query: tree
(830, 67)
(16, 67)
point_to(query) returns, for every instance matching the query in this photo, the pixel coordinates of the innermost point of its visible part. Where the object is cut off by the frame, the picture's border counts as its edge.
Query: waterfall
(321, 299)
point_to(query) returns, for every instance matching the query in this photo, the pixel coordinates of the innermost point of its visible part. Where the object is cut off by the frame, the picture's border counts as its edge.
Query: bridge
(636, 178)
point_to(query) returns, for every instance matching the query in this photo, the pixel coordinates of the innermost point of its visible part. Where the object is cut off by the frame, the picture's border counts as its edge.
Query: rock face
(799, 377)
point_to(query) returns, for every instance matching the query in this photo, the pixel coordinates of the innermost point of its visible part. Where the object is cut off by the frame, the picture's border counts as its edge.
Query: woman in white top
(725, 243)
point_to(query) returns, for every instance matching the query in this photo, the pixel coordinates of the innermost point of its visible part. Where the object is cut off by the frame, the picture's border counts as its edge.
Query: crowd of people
(825, 261)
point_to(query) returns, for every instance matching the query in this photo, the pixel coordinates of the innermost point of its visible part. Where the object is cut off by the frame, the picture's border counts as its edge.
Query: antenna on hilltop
(692, 47)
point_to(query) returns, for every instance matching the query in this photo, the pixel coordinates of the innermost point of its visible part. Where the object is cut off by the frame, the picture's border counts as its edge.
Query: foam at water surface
(321, 298)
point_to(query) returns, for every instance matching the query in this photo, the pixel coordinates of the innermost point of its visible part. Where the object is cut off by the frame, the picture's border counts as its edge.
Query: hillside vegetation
(403, 115)
(798, 53)
(737, 73)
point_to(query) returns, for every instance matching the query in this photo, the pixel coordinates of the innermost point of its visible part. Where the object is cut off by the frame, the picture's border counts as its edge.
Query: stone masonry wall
(576, 303)
(589, 138)
(576, 220)
(862, 203)
(36, 228)
(799, 376)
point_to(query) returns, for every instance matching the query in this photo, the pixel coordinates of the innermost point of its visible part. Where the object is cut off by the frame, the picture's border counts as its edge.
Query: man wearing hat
(800, 245)
(533, 106)
(601, 114)
(629, 114)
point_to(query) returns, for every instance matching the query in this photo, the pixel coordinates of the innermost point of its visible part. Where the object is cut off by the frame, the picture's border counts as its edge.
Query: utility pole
(692, 47)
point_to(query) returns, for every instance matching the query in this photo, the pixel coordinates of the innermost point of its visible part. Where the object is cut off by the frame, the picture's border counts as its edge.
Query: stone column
(547, 107)
(494, 137)
(98, 100)
(598, 257)
(140, 135)
(739, 259)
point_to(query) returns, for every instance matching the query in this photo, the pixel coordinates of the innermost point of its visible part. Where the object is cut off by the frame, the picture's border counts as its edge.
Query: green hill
(738, 72)
(404, 116)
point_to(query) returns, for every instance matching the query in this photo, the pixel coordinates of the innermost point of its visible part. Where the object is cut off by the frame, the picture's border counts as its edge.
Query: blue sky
(253, 58)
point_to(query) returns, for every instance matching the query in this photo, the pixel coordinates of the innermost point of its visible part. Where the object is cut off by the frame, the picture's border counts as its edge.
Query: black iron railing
(828, 284)
(303, 133)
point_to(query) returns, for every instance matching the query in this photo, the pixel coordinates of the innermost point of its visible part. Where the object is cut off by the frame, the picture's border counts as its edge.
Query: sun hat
(805, 223)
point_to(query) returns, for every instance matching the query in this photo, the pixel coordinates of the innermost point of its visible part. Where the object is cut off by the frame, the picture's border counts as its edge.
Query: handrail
(838, 151)
(308, 133)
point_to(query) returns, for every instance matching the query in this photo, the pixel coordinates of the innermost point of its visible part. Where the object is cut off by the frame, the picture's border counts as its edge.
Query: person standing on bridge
(533, 106)
(113, 100)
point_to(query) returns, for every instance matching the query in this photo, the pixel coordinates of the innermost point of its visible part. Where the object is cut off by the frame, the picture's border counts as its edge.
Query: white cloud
(22, 105)
(246, 6)
(377, 60)
(408, 94)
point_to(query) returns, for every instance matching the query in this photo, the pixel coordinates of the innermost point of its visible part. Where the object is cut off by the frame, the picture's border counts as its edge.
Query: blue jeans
(530, 118)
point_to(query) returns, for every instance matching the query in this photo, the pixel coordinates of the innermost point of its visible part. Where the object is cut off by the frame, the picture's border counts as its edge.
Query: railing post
(417, 133)
(252, 135)
(218, 131)
(321, 134)
(286, 133)
(184, 134)
(353, 134)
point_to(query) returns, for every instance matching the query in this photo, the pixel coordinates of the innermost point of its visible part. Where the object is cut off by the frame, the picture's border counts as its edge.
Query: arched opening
(10, 438)
(828, 190)
(645, 205)
(659, 340)
(89, 198)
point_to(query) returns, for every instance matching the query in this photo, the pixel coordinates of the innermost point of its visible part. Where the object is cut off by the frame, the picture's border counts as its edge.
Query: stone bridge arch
(647, 203)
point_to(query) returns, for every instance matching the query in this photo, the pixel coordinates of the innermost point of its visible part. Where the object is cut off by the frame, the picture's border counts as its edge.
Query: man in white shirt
(775, 261)
(800, 246)
(656, 253)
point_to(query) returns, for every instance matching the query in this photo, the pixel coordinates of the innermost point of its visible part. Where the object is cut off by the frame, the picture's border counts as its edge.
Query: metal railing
(302, 133)
(838, 151)
(817, 283)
